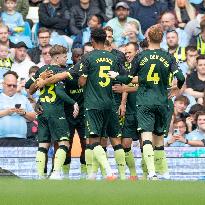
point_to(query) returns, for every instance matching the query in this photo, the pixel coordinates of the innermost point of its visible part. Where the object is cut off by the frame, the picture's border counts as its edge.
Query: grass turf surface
(48, 192)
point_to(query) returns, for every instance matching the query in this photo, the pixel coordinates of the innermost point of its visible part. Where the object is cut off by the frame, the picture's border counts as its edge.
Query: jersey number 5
(151, 76)
(104, 75)
(51, 92)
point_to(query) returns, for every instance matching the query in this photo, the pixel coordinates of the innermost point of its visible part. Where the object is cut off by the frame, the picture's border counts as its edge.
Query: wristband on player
(187, 141)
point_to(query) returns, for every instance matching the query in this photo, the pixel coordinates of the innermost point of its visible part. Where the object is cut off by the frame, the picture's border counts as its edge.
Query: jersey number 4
(103, 74)
(52, 95)
(151, 76)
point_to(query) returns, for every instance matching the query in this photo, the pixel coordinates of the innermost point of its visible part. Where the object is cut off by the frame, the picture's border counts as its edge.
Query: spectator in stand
(5, 61)
(54, 16)
(179, 126)
(199, 40)
(173, 46)
(45, 56)
(130, 34)
(192, 28)
(12, 18)
(191, 120)
(34, 3)
(200, 7)
(190, 64)
(197, 137)
(22, 7)
(169, 4)
(109, 35)
(43, 39)
(21, 64)
(4, 36)
(87, 47)
(95, 21)
(118, 23)
(196, 81)
(184, 11)
(147, 12)
(79, 15)
(168, 22)
(15, 109)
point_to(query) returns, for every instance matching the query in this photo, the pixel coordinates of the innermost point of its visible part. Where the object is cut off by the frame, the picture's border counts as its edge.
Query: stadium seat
(33, 14)
(19, 38)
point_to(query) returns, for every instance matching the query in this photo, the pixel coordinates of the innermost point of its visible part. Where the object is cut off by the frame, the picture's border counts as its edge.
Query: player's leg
(128, 134)
(160, 157)
(88, 157)
(80, 127)
(95, 121)
(60, 132)
(103, 142)
(114, 133)
(159, 130)
(44, 143)
(146, 120)
(41, 157)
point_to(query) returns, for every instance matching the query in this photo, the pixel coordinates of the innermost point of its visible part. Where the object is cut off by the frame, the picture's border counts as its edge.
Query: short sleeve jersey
(52, 104)
(98, 89)
(153, 68)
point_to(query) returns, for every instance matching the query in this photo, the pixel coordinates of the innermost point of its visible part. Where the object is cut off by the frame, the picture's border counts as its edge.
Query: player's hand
(113, 74)
(117, 88)
(173, 92)
(76, 110)
(46, 74)
(40, 83)
(38, 108)
(122, 110)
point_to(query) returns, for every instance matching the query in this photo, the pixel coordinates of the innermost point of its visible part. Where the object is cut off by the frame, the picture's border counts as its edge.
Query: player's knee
(67, 160)
(89, 146)
(95, 144)
(64, 147)
(128, 149)
(43, 149)
(117, 147)
(159, 148)
(82, 159)
(105, 149)
(147, 142)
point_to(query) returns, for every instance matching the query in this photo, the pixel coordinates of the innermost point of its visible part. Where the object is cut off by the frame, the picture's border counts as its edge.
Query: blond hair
(189, 8)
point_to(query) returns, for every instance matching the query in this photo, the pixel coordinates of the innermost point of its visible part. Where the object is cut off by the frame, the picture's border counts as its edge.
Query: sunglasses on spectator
(11, 85)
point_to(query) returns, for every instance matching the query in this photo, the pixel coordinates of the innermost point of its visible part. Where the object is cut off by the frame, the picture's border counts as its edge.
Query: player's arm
(53, 79)
(177, 73)
(31, 84)
(125, 88)
(60, 92)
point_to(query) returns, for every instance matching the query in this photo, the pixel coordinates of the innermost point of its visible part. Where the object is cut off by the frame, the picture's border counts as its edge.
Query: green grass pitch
(67, 192)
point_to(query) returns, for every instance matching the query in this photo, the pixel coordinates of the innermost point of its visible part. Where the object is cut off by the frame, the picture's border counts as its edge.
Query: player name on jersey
(152, 57)
(108, 60)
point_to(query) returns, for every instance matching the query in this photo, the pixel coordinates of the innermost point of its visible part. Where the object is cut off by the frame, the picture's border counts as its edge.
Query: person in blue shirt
(15, 109)
(12, 18)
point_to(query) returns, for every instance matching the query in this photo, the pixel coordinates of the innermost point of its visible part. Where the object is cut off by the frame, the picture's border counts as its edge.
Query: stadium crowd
(26, 46)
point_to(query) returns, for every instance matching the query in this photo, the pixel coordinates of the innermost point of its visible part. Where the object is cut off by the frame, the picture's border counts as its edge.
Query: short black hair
(200, 57)
(98, 35)
(99, 17)
(190, 48)
(135, 44)
(196, 108)
(11, 73)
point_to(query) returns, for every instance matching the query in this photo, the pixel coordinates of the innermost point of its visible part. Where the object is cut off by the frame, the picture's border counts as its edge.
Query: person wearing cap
(122, 17)
(21, 64)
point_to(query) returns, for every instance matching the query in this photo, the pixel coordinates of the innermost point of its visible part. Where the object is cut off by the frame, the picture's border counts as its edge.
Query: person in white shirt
(21, 63)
